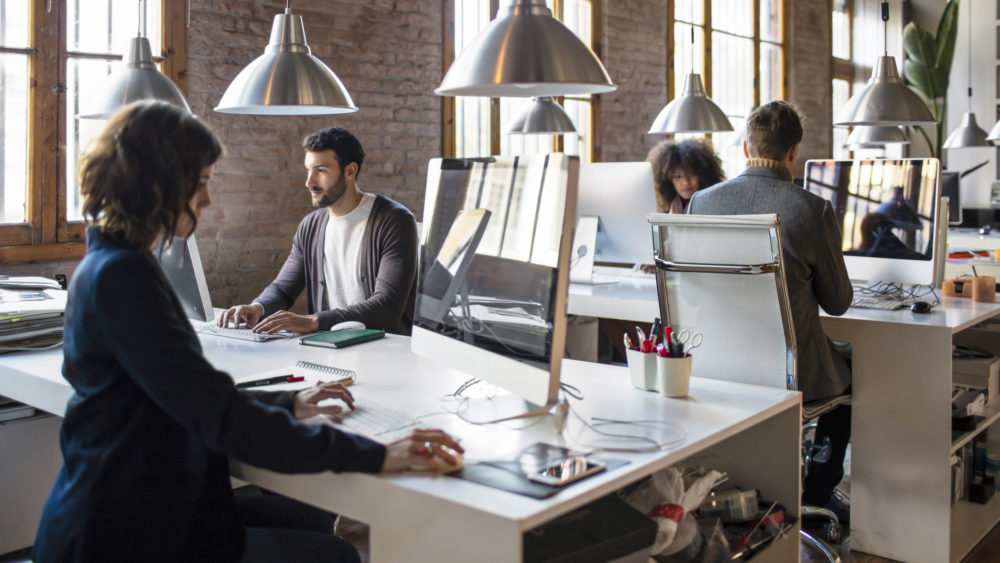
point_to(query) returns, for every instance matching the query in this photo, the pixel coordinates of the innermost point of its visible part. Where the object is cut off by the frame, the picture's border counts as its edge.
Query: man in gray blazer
(814, 266)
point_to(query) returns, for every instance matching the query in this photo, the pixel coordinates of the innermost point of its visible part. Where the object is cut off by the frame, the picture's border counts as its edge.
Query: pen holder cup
(642, 369)
(984, 289)
(673, 376)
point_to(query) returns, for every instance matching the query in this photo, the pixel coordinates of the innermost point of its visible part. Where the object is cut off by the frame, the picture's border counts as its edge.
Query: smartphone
(566, 471)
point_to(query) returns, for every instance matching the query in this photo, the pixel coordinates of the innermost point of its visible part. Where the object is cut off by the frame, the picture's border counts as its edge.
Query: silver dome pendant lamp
(875, 137)
(886, 99)
(969, 134)
(137, 78)
(691, 112)
(525, 52)
(287, 79)
(543, 116)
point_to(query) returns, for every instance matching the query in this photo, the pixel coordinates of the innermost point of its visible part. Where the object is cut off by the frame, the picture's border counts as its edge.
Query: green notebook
(342, 338)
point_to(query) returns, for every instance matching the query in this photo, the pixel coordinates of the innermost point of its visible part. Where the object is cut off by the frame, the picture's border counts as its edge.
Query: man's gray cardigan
(388, 262)
(814, 265)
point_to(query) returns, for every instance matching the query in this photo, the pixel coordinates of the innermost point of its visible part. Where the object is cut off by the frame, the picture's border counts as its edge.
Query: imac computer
(889, 215)
(494, 280)
(619, 195)
(181, 264)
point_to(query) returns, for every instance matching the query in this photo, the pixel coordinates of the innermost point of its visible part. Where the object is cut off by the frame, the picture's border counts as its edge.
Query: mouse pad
(510, 475)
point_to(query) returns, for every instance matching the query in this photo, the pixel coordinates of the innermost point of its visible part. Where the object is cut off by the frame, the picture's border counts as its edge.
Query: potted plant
(928, 66)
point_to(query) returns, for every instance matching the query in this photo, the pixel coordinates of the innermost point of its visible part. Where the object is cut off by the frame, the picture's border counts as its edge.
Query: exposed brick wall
(634, 49)
(387, 53)
(809, 75)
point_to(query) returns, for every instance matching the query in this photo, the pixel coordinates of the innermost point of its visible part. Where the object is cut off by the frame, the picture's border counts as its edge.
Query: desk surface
(390, 373)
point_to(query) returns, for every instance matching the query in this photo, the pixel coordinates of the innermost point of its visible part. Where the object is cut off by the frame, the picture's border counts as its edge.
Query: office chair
(713, 273)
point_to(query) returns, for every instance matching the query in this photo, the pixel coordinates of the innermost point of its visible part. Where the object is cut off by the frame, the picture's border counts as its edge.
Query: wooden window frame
(844, 69)
(47, 235)
(448, 140)
(707, 29)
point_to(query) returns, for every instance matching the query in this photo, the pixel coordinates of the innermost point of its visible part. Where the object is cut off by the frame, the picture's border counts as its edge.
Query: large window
(52, 54)
(475, 126)
(737, 47)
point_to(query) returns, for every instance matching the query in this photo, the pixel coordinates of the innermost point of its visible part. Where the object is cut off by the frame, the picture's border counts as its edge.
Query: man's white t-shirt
(341, 255)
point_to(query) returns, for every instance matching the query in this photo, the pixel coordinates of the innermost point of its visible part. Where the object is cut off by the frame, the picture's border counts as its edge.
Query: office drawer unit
(29, 462)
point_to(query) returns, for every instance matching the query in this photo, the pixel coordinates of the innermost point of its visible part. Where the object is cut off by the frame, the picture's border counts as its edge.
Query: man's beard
(340, 188)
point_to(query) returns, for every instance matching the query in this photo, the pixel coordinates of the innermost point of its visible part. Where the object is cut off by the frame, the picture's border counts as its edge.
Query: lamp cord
(885, 28)
(969, 58)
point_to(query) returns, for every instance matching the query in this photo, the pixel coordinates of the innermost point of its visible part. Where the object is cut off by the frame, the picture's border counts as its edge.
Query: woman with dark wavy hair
(681, 169)
(150, 426)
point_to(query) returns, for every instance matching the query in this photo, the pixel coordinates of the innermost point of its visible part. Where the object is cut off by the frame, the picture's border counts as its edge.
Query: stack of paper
(31, 316)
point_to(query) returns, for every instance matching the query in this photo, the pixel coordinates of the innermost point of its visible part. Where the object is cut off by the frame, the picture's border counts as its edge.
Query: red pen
(270, 381)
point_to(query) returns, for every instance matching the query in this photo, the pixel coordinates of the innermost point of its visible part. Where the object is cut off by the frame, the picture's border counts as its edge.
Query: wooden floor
(988, 551)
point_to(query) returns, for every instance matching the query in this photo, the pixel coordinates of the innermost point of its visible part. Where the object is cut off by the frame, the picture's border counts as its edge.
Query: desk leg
(901, 435)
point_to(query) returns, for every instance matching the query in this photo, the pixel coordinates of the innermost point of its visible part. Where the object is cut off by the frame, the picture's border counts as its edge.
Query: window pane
(472, 115)
(580, 112)
(14, 23)
(841, 93)
(770, 20)
(729, 147)
(105, 26)
(687, 58)
(732, 73)
(690, 11)
(733, 16)
(13, 137)
(82, 76)
(841, 30)
(771, 65)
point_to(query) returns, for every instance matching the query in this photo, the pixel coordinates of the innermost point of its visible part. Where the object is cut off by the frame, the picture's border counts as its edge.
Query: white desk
(628, 299)
(901, 439)
(901, 421)
(750, 432)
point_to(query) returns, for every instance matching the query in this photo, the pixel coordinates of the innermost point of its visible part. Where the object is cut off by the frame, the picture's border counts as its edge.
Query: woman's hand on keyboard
(285, 320)
(431, 448)
(306, 400)
(241, 316)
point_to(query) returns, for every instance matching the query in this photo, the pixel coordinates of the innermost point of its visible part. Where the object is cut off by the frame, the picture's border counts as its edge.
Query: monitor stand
(581, 262)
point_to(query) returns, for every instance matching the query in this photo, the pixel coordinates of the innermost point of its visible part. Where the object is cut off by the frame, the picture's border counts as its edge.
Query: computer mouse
(985, 229)
(443, 465)
(348, 325)
(921, 307)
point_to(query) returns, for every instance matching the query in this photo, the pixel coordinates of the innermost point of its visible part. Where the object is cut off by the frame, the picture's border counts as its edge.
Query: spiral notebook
(312, 372)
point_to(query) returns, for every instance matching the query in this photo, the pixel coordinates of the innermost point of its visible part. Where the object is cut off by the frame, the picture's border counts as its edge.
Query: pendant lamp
(287, 79)
(542, 116)
(994, 134)
(525, 52)
(875, 137)
(969, 134)
(135, 79)
(692, 112)
(886, 99)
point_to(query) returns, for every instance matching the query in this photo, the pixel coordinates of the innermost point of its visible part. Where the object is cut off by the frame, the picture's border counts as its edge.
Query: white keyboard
(376, 421)
(239, 333)
(866, 302)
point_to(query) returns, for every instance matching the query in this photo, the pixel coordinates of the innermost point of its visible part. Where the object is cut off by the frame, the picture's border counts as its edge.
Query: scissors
(688, 340)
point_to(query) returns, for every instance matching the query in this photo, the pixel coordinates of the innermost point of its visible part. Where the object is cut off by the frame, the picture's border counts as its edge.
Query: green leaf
(919, 45)
(946, 34)
(920, 77)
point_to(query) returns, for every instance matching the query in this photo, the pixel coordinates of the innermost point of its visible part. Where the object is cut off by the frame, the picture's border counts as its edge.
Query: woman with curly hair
(681, 169)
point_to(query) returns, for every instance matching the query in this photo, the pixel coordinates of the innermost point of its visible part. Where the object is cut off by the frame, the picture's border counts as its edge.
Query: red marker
(270, 381)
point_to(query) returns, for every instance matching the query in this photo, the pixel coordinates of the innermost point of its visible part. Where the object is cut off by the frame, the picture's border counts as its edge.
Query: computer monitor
(181, 264)
(951, 188)
(620, 194)
(888, 213)
(506, 323)
(447, 275)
